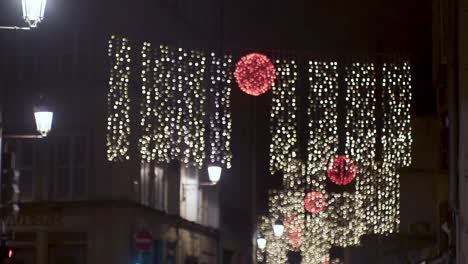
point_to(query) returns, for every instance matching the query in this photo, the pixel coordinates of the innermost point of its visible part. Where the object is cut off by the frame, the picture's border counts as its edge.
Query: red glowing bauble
(295, 239)
(293, 227)
(342, 170)
(314, 202)
(255, 74)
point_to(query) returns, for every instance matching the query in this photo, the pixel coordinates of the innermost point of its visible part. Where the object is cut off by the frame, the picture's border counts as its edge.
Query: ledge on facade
(175, 220)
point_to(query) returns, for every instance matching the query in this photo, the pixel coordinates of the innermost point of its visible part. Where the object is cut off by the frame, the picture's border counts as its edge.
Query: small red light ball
(342, 170)
(295, 239)
(314, 202)
(255, 74)
(294, 228)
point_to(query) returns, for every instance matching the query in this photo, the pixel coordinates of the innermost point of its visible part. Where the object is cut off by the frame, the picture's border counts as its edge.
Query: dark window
(25, 163)
(71, 168)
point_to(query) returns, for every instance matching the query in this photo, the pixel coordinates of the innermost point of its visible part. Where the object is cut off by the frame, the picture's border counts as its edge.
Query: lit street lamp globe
(214, 173)
(33, 11)
(261, 243)
(278, 228)
(44, 117)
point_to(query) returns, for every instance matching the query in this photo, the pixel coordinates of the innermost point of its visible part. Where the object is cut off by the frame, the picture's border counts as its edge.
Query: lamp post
(33, 14)
(261, 245)
(43, 116)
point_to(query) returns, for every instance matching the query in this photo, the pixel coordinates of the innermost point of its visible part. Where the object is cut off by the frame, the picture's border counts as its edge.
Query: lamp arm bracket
(23, 136)
(15, 28)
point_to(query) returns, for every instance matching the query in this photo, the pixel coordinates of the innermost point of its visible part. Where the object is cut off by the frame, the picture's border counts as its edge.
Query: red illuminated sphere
(342, 170)
(255, 74)
(295, 239)
(314, 202)
(293, 228)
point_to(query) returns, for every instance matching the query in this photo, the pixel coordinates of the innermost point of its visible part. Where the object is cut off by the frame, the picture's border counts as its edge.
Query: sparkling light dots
(315, 202)
(118, 101)
(341, 216)
(283, 116)
(173, 112)
(219, 100)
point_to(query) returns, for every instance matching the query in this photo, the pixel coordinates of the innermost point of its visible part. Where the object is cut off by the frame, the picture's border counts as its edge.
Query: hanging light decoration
(314, 202)
(342, 170)
(219, 104)
(283, 116)
(294, 227)
(255, 74)
(118, 100)
(173, 109)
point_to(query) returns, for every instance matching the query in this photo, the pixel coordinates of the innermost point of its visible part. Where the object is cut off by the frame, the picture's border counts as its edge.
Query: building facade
(76, 207)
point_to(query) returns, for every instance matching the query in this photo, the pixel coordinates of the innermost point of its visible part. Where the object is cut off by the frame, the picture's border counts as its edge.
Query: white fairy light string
(221, 82)
(173, 109)
(283, 116)
(371, 206)
(118, 101)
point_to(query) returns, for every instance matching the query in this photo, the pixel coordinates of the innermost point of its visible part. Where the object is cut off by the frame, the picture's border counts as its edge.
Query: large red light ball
(342, 170)
(314, 202)
(255, 74)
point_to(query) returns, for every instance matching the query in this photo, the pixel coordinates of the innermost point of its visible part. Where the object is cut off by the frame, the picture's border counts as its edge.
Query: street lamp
(214, 173)
(278, 228)
(261, 243)
(33, 11)
(44, 117)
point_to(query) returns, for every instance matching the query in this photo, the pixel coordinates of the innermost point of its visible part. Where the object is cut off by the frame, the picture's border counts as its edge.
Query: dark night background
(306, 29)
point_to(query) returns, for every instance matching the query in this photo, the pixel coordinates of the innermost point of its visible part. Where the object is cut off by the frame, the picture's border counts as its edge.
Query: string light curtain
(322, 111)
(173, 109)
(361, 134)
(277, 247)
(118, 101)
(371, 204)
(219, 100)
(396, 95)
(284, 115)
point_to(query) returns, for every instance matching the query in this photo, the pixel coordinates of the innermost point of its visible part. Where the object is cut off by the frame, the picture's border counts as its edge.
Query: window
(25, 162)
(211, 206)
(153, 186)
(198, 203)
(71, 168)
(190, 194)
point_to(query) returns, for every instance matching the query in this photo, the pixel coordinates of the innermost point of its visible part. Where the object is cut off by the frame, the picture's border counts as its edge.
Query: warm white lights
(173, 105)
(43, 121)
(283, 116)
(118, 101)
(33, 11)
(370, 205)
(261, 243)
(219, 105)
(214, 173)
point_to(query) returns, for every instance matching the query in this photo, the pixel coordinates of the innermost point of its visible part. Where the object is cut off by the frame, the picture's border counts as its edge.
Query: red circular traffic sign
(143, 240)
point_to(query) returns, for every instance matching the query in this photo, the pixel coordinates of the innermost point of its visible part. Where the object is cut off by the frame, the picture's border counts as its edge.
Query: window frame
(70, 196)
